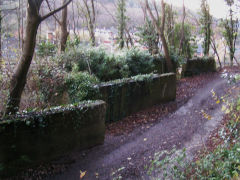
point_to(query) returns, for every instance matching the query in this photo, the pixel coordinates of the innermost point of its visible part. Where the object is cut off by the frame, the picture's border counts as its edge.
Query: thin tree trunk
(0, 38)
(91, 19)
(216, 52)
(19, 23)
(64, 32)
(74, 23)
(19, 77)
(18, 80)
(161, 33)
(22, 26)
(224, 56)
(182, 31)
(236, 61)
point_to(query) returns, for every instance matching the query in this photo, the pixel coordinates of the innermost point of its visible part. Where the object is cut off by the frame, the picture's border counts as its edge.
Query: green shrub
(72, 43)
(81, 86)
(49, 81)
(96, 61)
(222, 163)
(107, 66)
(139, 62)
(46, 48)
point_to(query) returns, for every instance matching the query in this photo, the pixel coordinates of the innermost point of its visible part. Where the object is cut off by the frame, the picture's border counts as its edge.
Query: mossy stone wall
(129, 96)
(161, 66)
(198, 65)
(41, 136)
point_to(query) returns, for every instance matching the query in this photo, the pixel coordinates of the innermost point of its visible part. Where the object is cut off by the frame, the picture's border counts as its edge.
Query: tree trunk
(224, 56)
(216, 52)
(91, 20)
(22, 25)
(92, 34)
(64, 32)
(0, 38)
(74, 22)
(19, 77)
(161, 33)
(19, 24)
(163, 39)
(181, 49)
(166, 53)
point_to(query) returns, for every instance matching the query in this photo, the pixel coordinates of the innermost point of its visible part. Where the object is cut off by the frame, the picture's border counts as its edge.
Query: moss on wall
(41, 136)
(131, 95)
(198, 65)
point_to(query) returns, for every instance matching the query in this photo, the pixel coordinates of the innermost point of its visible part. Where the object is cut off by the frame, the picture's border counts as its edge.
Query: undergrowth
(221, 163)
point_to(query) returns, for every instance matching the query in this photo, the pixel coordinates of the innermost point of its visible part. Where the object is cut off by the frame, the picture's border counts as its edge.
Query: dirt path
(126, 155)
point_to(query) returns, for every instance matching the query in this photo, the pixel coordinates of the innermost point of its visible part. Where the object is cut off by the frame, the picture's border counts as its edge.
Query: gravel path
(126, 155)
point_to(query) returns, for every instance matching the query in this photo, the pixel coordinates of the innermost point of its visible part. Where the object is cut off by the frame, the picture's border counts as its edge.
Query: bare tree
(121, 21)
(19, 77)
(129, 38)
(160, 29)
(64, 31)
(2, 10)
(206, 22)
(0, 36)
(63, 26)
(90, 16)
(214, 47)
(170, 25)
(181, 48)
(230, 32)
(74, 21)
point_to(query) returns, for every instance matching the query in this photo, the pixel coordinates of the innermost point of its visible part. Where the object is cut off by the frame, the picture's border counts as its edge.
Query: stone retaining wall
(198, 66)
(42, 136)
(129, 96)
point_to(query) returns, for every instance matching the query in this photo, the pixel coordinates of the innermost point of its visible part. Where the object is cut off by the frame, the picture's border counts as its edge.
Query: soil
(130, 144)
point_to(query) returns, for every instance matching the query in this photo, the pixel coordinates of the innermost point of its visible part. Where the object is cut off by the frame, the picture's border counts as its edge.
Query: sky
(218, 8)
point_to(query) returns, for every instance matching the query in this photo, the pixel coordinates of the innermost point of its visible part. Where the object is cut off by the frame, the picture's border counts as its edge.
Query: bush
(81, 86)
(46, 48)
(139, 62)
(50, 81)
(108, 66)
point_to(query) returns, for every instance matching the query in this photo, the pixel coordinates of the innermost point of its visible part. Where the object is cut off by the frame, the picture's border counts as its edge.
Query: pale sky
(218, 8)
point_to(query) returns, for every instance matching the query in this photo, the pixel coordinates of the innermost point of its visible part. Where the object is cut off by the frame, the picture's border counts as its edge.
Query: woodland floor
(130, 144)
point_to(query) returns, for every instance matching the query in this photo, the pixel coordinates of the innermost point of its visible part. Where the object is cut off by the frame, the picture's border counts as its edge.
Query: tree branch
(56, 10)
(55, 17)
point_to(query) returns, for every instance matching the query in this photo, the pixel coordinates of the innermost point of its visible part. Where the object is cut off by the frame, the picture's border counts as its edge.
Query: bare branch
(112, 16)
(55, 17)
(56, 10)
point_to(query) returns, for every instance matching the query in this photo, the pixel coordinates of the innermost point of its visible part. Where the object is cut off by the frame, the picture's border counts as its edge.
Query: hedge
(41, 136)
(198, 65)
(130, 95)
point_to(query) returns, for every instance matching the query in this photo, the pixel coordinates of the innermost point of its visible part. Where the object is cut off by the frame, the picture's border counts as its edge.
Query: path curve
(127, 154)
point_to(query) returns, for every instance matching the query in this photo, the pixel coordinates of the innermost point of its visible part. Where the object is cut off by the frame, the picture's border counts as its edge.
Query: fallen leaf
(82, 174)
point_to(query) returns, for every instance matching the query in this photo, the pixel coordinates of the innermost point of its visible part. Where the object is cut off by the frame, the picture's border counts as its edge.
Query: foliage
(139, 62)
(81, 86)
(222, 163)
(46, 48)
(50, 81)
(71, 43)
(105, 66)
(230, 30)
(148, 36)
(189, 47)
(121, 18)
(206, 21)
(170, 23)
(178, 59)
